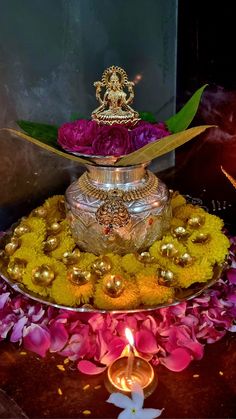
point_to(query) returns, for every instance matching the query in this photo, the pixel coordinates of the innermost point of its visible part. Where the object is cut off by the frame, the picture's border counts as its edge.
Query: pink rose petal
(18, 329)
(36, 339)
(3, 299)
(231, 275)
(145, 342)
(178, 360)
(59, 336)
(88, 367)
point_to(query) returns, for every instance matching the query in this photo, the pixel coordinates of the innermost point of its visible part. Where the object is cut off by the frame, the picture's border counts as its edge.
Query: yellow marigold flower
(32, 241)
(128, 299)
(186, 211)
(155, 250)
(213, 223)
(54, 211)
(131, 264)
(200, 271)
(85, 260)
(37, 225)
(177, 200)
(150, 291)
(176, 222)
(25, 253)
(62, 292)
(66, 293)
(57, 267)
(115, 259)
(66, 244)
(215, 249)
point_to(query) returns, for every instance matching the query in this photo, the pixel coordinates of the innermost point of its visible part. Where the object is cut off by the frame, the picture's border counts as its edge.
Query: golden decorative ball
(145, 257)
(4, 258)
(168, 250)
(196, 221)
(21, 229)
(43, 275)
(54, 228)
(40, 212)
(165, 277)
(12, 246)
(16, 269)
(180, 232)
(101, 265)
(51, 243)
(202, 238)
(184, 260)
(79, 277)
(71, 258)
(113, 285)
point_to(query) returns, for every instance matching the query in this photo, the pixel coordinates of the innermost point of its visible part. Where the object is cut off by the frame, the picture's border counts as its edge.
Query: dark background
(206, 54)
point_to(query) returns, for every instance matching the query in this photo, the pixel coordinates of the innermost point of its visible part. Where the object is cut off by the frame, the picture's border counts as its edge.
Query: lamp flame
(129, 336)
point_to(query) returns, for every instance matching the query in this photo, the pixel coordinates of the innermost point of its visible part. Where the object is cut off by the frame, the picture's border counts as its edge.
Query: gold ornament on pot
(184, 260)
(145, 257)
(51, 243)
(40, 212)
(12, 246)
(113, 285)
(202, 238)
(16, 269)
(165, 277)
(168, 250)
(43, 275)
(78, 276)
(196, 221)
(180, 232)
(71, 258)
(21, 229)
(101, 265)
(54, 228)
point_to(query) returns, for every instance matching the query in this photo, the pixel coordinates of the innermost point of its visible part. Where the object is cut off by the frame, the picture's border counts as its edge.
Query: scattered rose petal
(36, 339)
(88, 367)
(178, 360)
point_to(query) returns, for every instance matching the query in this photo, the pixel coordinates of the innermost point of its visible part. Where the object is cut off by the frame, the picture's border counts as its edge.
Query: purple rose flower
(112, 141)
(146, 133)
(77, 136)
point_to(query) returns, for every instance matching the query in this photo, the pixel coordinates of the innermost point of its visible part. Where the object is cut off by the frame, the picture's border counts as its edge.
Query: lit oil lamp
(130, 368)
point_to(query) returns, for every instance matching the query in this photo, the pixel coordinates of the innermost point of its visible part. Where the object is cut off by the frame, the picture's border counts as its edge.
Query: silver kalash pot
(117, 209)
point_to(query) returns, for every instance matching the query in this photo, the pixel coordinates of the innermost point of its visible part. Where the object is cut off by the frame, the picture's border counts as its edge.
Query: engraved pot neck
(115, 177)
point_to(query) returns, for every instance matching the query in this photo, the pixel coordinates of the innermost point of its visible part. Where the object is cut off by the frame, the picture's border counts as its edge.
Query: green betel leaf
(45, 146)
(147, 116)
(181, 120)
(160, 147)
(43, 132)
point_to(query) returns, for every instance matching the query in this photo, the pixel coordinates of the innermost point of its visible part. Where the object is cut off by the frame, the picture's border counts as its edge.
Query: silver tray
(180, 294)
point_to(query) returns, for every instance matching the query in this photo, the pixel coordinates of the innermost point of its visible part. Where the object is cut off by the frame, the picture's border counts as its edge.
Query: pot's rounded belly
(116, 223)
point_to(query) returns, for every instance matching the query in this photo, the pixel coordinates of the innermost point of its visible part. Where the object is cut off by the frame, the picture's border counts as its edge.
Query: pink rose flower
(112, 141)
(77, 136)
(146, 133)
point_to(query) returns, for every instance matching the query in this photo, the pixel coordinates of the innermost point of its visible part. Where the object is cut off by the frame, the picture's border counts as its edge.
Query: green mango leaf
(47, 147)
(43, 132)
(147, 116)
(160, 147)
(182, 119)
(75, 116)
